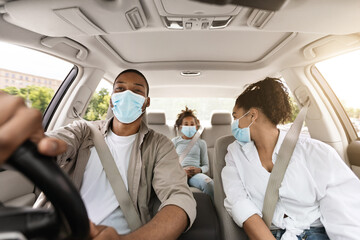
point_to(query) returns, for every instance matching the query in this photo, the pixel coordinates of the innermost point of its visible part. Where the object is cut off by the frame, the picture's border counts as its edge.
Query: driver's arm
(169, 223)
(19, 123)
(178, 207)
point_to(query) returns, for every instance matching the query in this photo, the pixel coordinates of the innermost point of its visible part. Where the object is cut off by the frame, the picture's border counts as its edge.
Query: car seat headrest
(221, 118)
(156, 118)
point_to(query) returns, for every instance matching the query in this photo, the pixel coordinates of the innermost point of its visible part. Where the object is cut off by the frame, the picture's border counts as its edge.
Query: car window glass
(342, 73)
(30, 74)
(99, 103)
(204, 108)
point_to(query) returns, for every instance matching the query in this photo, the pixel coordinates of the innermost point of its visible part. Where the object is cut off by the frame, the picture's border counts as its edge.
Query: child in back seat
(195, 162)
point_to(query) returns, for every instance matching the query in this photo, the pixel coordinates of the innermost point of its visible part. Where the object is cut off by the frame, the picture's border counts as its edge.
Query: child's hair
(186, 113)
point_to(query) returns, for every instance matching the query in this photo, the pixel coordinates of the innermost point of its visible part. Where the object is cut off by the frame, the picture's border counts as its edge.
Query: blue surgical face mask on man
(127, 106)
(188, 131)
(241, 134)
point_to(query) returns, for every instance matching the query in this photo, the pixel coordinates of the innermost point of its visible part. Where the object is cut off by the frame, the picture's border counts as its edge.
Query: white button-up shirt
(318, 189)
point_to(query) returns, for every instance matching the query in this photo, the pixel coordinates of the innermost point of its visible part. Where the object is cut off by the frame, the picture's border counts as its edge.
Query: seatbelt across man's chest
(115, 179)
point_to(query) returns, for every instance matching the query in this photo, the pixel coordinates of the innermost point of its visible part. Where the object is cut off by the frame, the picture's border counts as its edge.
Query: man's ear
(110, 101)
(146, 104)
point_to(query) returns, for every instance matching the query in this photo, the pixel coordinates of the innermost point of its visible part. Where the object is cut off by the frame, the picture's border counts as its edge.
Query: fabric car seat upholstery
(220, 126)
(229, 229)
(157, 122)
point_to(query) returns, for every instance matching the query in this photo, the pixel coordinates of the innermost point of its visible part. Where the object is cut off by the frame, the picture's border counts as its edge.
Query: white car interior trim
(332, 44)
(14, 185)
(87, 84)
(322, 127)
(136, 18)
(83, 96)
(78, 19)
(109, 48)
(51, 42)
(259, 18)
(264, 45)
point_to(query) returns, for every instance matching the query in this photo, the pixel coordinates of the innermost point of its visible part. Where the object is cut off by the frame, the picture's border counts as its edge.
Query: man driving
(147, 162)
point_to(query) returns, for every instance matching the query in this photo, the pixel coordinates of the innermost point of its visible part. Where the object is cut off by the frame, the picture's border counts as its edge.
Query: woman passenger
(195, 163)
(319, 197)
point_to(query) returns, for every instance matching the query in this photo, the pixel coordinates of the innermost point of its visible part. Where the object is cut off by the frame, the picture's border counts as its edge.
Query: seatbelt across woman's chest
(281, 164)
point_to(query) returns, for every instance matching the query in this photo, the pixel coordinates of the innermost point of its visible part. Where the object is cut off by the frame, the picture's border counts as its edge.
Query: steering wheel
(69, 211)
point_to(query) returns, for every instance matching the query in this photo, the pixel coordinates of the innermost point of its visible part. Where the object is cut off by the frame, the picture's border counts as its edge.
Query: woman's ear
(254, 113)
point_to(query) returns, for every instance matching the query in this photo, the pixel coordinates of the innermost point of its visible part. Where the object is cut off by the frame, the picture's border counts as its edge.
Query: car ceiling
(256, 43)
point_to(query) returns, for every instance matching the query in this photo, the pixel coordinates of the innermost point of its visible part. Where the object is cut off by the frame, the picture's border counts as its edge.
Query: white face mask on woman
(241, 134)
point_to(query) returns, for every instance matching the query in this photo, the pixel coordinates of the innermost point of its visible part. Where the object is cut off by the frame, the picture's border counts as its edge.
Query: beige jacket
(154, 170)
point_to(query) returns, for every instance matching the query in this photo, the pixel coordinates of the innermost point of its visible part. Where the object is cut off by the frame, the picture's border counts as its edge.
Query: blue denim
(202, 182)
(314, 233)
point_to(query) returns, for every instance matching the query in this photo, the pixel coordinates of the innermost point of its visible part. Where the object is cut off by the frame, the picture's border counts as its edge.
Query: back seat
(157, 122)
(220, 126)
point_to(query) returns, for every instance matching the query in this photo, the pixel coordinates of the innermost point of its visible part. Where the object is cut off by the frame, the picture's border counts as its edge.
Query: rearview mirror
(270, 5)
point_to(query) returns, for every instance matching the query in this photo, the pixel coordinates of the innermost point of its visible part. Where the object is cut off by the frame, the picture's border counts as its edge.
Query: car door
(35, 77)
(339, 78)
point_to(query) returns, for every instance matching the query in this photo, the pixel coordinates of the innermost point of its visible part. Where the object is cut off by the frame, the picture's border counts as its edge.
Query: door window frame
(57, 98)
(339, 109)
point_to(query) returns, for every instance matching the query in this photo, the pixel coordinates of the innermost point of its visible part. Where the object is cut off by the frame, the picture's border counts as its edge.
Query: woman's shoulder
(234, 146)
(314, 148)
(308, 142)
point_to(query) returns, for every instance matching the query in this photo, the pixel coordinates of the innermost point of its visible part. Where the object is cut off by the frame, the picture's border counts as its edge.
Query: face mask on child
(188, 131)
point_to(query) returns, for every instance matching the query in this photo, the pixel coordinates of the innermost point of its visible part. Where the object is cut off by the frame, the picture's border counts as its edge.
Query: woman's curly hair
(270, 96)
(186, 113)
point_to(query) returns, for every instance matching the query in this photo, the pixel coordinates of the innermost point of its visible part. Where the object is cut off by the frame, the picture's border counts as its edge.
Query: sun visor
(75, 18)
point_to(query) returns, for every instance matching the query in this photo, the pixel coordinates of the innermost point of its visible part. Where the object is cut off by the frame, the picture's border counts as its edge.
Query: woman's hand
(19, 123)
(191, 171)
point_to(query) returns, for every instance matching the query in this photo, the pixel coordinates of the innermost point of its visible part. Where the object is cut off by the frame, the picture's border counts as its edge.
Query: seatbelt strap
(281, 164)
(190, 145)
(115, 179)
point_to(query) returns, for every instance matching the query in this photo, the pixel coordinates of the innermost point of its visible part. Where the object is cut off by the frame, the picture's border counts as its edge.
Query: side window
(99, 102)
(32, 75)
(342, 73)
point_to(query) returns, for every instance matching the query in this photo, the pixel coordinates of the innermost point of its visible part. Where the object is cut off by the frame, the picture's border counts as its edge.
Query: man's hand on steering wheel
(19, 123)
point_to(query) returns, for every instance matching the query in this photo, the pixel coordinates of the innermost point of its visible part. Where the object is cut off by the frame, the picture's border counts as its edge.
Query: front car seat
(229, 229)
